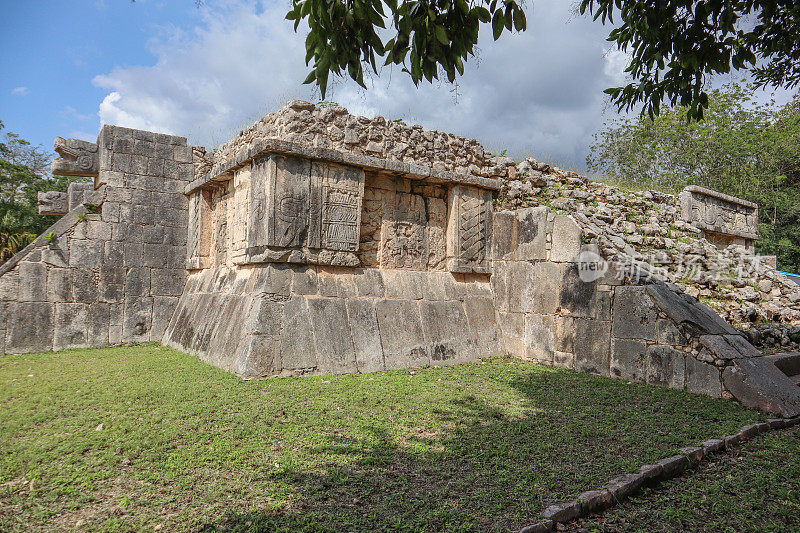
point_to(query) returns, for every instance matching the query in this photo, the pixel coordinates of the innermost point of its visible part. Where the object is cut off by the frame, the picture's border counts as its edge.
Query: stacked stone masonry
(112, 269)
(318, 242)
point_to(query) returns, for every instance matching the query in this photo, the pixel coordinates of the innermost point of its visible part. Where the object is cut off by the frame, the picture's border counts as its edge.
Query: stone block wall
(615, 323)
(295, 319)
(112, 269)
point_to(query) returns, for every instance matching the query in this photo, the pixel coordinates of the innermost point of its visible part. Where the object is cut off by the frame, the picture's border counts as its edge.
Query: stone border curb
(619, 488)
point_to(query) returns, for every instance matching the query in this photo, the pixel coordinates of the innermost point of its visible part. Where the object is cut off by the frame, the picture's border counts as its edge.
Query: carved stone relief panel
(337, 193)
(716, 212)
(53, 203)
(469, 229)
(304, 211)
(404, 242)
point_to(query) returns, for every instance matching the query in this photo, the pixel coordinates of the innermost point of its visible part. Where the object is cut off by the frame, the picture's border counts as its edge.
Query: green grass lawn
(753, 488)
(146, 437)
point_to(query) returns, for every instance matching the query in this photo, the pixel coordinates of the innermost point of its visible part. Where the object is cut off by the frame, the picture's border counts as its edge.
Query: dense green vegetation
(674, 45)
(753, 488)
(742, 148)
(132, 438)
(24, 171)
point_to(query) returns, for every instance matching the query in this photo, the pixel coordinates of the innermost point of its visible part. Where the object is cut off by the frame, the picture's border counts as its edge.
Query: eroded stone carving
(720, 213)
(403, 235)
(304, 211)
(53, 203)
(469, 229)
(78, 158)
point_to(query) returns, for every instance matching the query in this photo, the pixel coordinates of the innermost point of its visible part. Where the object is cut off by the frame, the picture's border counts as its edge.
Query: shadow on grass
(490, 470)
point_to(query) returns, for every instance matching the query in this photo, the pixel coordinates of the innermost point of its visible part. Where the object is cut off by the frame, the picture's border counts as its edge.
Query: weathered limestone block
(138, 319)
(531, 233)
(483, 325)
(257, 357)
(577, 298)
(446, 332)
(544, 293)
(402, 336)
(30, 327)
(666, 366)
(729, 347)
(53, 203)
(629, 359)
(567, 239)
(703, 378)
(634, 314)
(540, 338)
(199, 238)
(332, 338)
(512, 326)
(71, 321)
(759, 383)
(78, 158)
(80, 192)
(592, 346)
(470, 229)
(694, 316)
(33, 282)
(504, 235)
(296, 345)
(366, 336)
(59, 285)
(99, 317)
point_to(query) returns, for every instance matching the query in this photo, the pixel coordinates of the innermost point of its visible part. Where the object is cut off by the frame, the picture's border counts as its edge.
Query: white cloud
(20, 91)
(72, 113)
(537, 93)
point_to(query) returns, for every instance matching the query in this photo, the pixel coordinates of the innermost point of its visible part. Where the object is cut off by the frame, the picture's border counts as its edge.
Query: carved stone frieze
(53, 203)
(303, 211)
(719, 213)
(78, 158)
(470, 229)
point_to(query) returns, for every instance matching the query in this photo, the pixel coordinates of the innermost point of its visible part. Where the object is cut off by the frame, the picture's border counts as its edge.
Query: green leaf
(441, 35)
(497, 24)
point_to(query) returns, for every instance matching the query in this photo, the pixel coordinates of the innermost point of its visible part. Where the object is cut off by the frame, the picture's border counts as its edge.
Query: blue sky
(207, 72)
(51, 51)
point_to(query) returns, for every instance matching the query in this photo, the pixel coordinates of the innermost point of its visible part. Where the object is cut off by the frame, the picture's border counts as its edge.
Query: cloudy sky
(205, 72)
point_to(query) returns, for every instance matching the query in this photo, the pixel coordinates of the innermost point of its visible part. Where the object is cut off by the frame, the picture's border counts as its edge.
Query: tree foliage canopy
(742, 148)
(24, 171)
(674, 44)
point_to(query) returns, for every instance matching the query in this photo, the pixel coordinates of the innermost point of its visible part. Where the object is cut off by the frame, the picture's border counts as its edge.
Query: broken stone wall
(619, 324)
(334, 128)
(112, 269)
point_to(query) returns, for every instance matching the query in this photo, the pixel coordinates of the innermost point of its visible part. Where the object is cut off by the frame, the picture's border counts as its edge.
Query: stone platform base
(279, 319)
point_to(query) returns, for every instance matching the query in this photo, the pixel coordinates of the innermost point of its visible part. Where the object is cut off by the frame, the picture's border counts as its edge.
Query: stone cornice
(409, 170)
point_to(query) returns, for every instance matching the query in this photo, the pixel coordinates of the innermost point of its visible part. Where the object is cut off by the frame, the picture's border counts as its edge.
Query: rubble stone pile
(643, 231)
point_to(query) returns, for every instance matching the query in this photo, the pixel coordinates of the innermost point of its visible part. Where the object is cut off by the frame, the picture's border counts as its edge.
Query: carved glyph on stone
(719, 213)
(53, 203)
(304, 211)
(78, 158)
(342, 195)
(469, 229)
(404, 234)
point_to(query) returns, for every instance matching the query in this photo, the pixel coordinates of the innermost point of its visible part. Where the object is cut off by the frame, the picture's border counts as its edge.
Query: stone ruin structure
(320, 242)
(723, 219)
